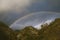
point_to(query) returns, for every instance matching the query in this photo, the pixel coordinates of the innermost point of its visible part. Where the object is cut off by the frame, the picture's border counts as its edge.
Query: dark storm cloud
(34, 19)
(46, 5)
(37, 5)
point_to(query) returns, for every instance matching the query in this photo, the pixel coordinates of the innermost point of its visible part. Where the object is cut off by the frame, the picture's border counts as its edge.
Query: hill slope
(47, 32)
(6, 33)
(51, 32)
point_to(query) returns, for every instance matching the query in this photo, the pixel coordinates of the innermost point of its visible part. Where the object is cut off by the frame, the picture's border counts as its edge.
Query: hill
(47, 32)
(51, 32)
(6, 33)
(28, 33)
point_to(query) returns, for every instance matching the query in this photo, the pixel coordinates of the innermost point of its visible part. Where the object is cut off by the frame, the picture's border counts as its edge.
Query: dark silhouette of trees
(6, 33)
(47, 32)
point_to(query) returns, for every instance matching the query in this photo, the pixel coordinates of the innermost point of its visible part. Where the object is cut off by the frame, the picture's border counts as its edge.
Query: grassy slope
(47, 32)
(6, 33)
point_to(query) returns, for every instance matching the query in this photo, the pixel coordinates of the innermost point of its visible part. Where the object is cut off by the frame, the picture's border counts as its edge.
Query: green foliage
(28, 33)
(6, 33)
(47, 32)
(52, 31)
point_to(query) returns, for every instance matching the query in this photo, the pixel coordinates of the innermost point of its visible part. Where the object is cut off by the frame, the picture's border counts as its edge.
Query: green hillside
(28, 33)
(47, 32)
(51, 32)
(6, 33)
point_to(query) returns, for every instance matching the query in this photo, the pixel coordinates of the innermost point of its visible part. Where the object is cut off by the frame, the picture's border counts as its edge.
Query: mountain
(6, 33)
(47, 32)
(51, 32)
(28, 33)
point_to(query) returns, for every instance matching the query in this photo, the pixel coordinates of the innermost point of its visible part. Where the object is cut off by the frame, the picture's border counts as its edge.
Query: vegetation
(6, 33)
(51, 32)
(47, 32)
(28, 33)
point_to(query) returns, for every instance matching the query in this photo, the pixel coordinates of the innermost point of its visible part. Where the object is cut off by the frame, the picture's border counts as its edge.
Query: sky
(32, 5)
(12, 10)
(17, 5)
(35, 19)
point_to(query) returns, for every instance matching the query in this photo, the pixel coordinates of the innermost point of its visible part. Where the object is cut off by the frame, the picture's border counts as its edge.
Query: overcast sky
(35, 19)
(11, 10)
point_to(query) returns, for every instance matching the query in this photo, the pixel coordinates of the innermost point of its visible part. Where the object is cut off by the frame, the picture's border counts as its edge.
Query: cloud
(10, 10)
(20, 5)
(14, 4)
(24, 7)
(35, 19)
